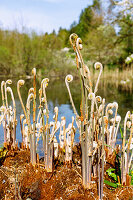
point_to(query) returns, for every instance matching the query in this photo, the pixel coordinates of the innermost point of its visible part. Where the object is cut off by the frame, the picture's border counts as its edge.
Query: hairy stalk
(4, 111)
(68, 79)
(14, 112)
(25, 133)
(30, 97)
(129, 157)
(42, 103)
(70, 132)
(20, 83)
(55, 128)
(107, 111)
(115, 105)
(7, 82)
(62, 133)
(123, 173)
(97, 66)
(4, 122)
(102, 153)
(118, 120)
(34, 116)
(21, 127)
(2, 92)
(8, 124)
(84, 77)
(84, 111)
(47, 130)
(90, 136)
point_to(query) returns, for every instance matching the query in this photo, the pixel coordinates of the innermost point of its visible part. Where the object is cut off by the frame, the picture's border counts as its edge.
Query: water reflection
(57, 95)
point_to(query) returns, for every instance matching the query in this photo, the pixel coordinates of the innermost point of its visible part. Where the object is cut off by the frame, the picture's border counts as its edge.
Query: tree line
(107, 36)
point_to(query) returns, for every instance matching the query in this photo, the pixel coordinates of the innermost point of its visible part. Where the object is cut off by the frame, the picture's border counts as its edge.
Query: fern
(111, 174)
(121, 133)
(131, 174)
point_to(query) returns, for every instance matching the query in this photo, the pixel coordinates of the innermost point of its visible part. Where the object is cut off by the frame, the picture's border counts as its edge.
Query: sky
(40, 15)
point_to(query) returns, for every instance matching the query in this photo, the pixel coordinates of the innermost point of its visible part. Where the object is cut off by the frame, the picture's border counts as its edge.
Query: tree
(101, 45)
(63, 35)
(125, 36)
(90, 18)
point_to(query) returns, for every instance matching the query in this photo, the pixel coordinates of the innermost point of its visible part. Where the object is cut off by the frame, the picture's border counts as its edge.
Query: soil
(19, 179)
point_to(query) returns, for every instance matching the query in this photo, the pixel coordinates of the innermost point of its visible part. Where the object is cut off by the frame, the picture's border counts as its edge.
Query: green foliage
(118, 166)
(111, 174)
(125, 34)
(131, 174)
(23, 51)
(4, 53)
(84, 22)
(114, 185)
(5, 60)
(90, 18)
(3, 152)
(63, 36)
(121, 133)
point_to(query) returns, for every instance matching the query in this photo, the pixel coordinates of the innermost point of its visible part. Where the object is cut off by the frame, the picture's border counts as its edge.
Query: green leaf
(118, 184)
(110, 170)
(114, 185)
(63, 150)
(112, 175)
(131, 174)
(121, 133)
(3, 152)
(109, 146)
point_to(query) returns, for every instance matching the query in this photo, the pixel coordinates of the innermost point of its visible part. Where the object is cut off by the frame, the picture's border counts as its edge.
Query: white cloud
(41, 17)
(53, 1)
(40, 22)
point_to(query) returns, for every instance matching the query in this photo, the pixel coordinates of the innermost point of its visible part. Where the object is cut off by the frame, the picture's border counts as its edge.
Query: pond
(57, 95)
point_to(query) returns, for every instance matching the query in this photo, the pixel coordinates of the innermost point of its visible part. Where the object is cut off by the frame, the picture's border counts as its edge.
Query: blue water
(57, 95)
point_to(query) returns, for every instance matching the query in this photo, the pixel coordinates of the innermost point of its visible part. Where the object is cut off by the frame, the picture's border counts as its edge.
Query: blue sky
(40, 15)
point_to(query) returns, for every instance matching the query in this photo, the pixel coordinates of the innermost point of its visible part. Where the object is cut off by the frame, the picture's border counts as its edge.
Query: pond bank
(19, 179)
